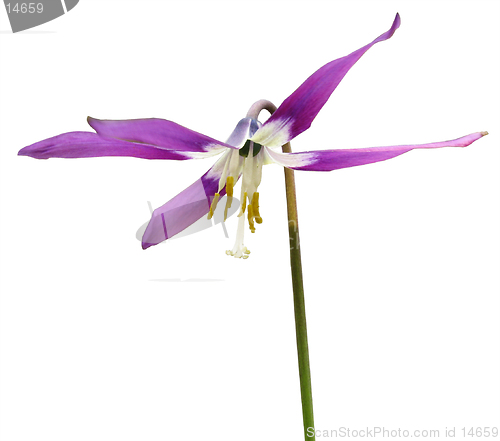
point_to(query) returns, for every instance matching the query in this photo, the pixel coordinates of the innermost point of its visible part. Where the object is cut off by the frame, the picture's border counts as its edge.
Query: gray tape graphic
(28, 14)
(70, 4)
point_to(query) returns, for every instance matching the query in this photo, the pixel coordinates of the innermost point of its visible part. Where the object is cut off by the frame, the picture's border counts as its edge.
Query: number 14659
(25, 8)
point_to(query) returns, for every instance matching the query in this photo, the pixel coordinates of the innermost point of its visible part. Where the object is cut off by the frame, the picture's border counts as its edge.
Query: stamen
(255, 208)
(213, 206)
(229, 201)
(229, 193)
(229, 185)
(224, 171)
(243, 204)
(250, 218)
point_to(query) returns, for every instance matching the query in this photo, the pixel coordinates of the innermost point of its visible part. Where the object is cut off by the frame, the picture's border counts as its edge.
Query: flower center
(246, 148)
(246, 162)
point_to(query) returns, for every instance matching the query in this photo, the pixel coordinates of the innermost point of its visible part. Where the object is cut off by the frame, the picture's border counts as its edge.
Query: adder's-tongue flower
(249, 147)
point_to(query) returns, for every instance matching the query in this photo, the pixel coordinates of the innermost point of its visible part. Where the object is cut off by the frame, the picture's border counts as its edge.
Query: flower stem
(297, 284)
(299, 303)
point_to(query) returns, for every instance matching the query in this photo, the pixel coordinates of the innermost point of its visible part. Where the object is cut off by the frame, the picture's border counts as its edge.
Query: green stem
(299, 303)
(297, 284)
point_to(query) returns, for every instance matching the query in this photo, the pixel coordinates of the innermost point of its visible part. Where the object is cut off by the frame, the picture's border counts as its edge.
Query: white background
(102, 341)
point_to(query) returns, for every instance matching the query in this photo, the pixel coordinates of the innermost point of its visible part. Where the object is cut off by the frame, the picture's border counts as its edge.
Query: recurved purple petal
(297, 112)
(327, 160)
(185, 208)
(158, 132)
(89, 145)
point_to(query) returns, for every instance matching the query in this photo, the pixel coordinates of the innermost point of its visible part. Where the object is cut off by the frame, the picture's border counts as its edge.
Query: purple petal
(185, 208)
(158, 132)
(327, 160)
(297, 112)
(89, 145)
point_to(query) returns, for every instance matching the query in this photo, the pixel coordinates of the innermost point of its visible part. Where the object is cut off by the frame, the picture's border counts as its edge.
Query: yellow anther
(250, 218)
(255, 208)
(229, 192)
(229, 186)
(213, 206)
(243, 205)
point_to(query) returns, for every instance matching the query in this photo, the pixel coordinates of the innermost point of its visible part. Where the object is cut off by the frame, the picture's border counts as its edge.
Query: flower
(250, 146)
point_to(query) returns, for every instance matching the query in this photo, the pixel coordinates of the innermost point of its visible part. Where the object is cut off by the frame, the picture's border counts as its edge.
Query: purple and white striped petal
(298, 111)
(327, 160)
(185, 208)
(90, 145)
(245, 129)
(159, 132)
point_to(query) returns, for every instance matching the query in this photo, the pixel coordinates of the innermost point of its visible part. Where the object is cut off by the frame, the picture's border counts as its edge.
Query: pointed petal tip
(91, 121)
(146, 245)
(469, 139)
(29, 151)
(395, 25)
